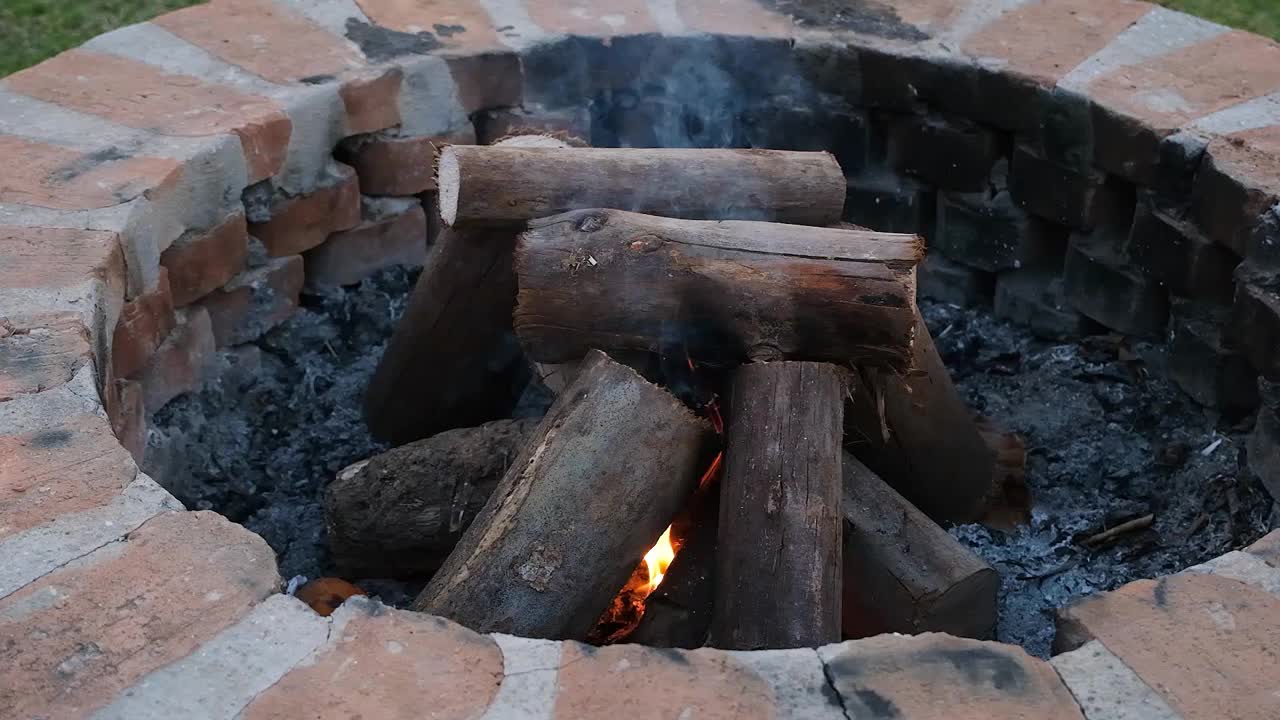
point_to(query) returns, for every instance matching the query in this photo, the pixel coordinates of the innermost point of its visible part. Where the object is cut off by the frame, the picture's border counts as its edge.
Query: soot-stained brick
(863, 16)
(380, 44)
(50, 439)
(981, 665)
(872, 705)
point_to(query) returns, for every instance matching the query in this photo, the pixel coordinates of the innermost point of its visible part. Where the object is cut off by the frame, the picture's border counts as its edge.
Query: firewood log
(778, 555)
(916, 433)
(607, 469)
(736, 290)
(903, 573)
(505, 185)
(399, 513)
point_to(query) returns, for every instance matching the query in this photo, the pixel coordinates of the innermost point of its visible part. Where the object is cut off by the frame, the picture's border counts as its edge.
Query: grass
(32, 30)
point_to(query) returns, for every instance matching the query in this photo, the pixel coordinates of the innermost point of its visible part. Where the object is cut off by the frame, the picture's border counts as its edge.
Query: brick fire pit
(171, 187)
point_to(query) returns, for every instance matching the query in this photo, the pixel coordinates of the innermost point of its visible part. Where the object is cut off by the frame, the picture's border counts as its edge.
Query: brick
(1238, 181)
(404, 657)
(1201, 363)
(1107, 688)
(461, 24)
(74, 465)
(947, 281)
(907, 676)
(1245, 567)
(301, 223)
(949, 153)
(615, 681)
(750, 19)
(1053, 192)
(617, 17)
(283, 47)
(1255, 318)
(1175, 253)
(885, 202)
(393, 232)
(493, 125)
(993, 234)
(40, 354)
(1263, 447)
(138, 95)
(388, 164)
(178, 365)
(1204, 643)
(1097, 282)
(256, 301)
(1138, 105)
(144, 323)
(797, 679)
(1034, 299)
(1267, 548)
(75, 638)
(127, 409)
(795, 125)
(372, 100)
(63, 178)
(486, 80)
(202, 261)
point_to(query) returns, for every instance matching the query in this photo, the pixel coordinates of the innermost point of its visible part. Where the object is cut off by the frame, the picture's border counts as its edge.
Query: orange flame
(657, 560)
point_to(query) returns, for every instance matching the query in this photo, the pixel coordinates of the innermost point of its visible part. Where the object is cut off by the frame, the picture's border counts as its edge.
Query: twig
(1125, 527)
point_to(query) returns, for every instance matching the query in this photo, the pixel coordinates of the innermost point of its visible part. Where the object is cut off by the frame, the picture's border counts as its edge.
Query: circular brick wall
(172, 186)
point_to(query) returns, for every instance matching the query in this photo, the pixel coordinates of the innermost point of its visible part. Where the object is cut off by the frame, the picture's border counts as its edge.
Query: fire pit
(834, 322)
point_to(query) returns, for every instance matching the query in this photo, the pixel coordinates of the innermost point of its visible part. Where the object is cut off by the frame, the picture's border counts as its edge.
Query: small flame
(657, 560)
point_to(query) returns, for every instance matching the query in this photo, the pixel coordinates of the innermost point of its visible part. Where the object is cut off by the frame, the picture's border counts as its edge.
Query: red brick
(402, 657)
(301, 223)
(64, 178)
(58, 257)
(1046, 40)
(1098, 283)
(1267, 548)
(262, 37)
(493, 125)
(939, 676)
(200, 262)
(1053, 192)
(372, 101)
(455, 23)
(144, 323)
(71, 641)
(73, 466)
(41, 354)
(1203, 642)
(487, 80)
(141, 96)
(391, 165)
(633, 681)
(1255, 317)
(178, 365)
(1177, 254)
(734, 17)
(1138, 105)
(126, 407)
(350, 256)
(605, 19)
(950, 154)
(256, 301)
(1239, 179)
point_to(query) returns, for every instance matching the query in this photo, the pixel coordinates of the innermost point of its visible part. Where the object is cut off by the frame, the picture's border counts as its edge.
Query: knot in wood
(591, 222)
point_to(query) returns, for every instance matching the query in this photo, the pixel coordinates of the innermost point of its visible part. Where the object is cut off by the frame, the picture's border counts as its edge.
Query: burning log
(452, 361)
(605, 472)
(903, 573)
(400, 513)
(620, 281)
(778, 555)
(915, 432)
(505, 185)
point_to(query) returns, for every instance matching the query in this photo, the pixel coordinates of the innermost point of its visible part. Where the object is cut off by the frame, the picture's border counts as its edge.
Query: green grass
(32, 30)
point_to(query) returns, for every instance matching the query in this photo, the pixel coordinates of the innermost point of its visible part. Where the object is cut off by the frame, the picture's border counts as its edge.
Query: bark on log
(606, 471)
(453, 361)
(915, 431)
(400, 513)
(778, 557)
(736, 290)
(903, 573)
(491, 185)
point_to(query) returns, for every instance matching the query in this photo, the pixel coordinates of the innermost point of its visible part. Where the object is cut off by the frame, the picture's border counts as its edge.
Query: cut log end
(448, 179)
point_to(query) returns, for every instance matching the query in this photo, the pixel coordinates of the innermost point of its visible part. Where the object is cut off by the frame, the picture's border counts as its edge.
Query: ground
(32, 30)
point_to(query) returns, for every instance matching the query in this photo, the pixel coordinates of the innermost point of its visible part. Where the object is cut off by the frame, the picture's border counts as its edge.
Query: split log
(400, 513)
(903, 573)
(678, 613)
(607, 469)
(736, 290)
(915, 431)
(505, 185)
(452, 361)
(778, 555)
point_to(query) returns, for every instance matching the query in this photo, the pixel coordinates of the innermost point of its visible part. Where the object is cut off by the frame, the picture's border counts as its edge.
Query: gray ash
(1109, 439)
